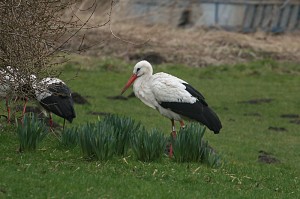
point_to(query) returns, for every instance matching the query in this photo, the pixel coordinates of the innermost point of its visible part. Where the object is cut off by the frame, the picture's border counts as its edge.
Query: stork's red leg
(171, 151)
(24, 108)
(8, 110)
(173, 134)
(182, 125)
(173, 129)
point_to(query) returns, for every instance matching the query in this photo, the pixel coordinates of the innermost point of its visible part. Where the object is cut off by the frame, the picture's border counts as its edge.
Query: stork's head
(140, 69)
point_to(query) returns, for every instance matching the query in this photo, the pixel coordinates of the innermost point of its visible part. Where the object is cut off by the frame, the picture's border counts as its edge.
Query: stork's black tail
(198, 111)
(210, 119)
(60, 106)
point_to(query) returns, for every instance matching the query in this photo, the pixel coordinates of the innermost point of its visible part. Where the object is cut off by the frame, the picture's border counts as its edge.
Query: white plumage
(14, 83)
(174, 98)
(11, 85)
(41, 89)
(6, 81)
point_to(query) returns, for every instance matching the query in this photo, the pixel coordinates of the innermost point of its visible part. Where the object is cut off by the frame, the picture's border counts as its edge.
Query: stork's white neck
(142, 90)
(142, 81)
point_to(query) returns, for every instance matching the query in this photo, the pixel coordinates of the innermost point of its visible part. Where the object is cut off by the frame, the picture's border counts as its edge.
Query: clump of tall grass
(123, 129)
(104, 138)
(189, 146)
(97, 140)
(31, 132)
(69, 137)
(148, 146)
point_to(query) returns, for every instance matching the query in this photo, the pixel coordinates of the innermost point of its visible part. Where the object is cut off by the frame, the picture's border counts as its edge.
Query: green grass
(189, 146)
(56, 172)
(31, 132)
(148, 146)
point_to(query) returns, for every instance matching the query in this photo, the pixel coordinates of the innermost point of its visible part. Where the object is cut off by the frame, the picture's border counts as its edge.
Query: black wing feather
(59, 89)
(199, 111)
(195, 93)
(60, 102)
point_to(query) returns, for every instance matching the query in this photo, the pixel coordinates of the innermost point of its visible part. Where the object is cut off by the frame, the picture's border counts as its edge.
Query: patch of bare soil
(98, 113)
(257, 101)
(79, 99)
(117, 97)
(295, 118)
(121, 97)
(291, 116)
(277, 129)
(254, 114)
(194, 47)
(267, 158)
(296, 121)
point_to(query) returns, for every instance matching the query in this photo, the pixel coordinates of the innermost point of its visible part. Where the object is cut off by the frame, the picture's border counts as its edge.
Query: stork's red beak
(130, 81)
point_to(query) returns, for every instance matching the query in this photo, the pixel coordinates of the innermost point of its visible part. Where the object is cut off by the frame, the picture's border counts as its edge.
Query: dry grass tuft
(194, 47)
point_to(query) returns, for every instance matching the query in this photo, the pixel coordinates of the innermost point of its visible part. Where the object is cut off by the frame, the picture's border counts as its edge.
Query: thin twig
(126, 41)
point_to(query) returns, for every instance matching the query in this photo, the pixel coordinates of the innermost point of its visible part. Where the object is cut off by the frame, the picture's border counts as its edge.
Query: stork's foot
(171, 151)
(169, 147)
(9, 118)
(182, 125)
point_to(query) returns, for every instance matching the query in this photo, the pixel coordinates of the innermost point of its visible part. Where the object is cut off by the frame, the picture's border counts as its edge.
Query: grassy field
(248, 127)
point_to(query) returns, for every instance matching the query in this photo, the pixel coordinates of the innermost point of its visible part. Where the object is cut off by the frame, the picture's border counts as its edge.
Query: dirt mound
(267, 158)
(132, 39)
(79, 99)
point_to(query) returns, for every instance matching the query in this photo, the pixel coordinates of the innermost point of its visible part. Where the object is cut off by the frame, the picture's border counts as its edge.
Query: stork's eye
(138, 69)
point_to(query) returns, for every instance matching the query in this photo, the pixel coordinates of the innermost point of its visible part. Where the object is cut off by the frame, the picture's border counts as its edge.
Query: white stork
(172, 97)
(13, 84)
(55, 97)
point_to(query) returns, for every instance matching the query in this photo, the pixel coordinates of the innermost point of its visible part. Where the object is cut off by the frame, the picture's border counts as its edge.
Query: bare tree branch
(34, 34)
(126, 41)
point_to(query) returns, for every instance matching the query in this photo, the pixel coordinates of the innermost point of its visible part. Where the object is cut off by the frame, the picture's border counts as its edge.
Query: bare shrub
(34, 34)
